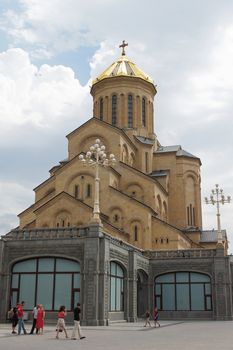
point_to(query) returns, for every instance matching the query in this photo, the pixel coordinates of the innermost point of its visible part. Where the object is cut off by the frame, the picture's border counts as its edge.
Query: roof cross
(123, 45)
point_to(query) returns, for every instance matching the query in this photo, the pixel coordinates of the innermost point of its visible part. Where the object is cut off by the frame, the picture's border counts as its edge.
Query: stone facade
(94, 250)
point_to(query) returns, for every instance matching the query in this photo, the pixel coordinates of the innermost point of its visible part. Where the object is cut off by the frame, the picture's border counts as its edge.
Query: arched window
(114, 110)
(116, 287)
(48, 281)
(146, 162)
(164, 214)
(143, 111)
(62, 219)
(191, 215)
(186, 291)
(135, 233)
(88, 190)
(101, 109)
(76, 191)
(159, 206)
(130, 111)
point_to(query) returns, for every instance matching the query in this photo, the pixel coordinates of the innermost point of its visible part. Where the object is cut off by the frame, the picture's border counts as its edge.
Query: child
(147, 318)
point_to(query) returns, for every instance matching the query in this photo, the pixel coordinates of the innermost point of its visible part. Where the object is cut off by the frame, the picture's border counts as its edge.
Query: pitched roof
(212, 236)
(176, 148)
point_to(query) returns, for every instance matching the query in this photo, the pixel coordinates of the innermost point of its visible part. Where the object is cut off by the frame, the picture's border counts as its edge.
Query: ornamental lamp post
(217, 197)
(95, 157)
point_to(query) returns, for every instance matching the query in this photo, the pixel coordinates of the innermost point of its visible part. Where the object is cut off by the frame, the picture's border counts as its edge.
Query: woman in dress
(40, 320)
(61, 321)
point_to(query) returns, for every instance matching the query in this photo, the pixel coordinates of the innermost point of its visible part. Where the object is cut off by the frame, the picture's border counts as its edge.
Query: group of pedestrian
(61, 323)
(156, 318)
(38, 319)
(16, 314)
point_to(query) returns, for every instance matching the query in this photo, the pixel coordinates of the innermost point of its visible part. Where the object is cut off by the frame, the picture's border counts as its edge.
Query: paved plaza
(170, 336)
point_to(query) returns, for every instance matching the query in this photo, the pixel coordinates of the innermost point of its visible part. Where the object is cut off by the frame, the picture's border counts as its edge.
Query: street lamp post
(217, 197)
(96, 157)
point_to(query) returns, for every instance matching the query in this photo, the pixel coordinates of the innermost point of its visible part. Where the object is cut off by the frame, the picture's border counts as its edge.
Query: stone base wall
(94, 250)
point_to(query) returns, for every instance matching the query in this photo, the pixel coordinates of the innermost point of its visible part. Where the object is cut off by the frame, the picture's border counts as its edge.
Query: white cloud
(44, 96)
(14, 199)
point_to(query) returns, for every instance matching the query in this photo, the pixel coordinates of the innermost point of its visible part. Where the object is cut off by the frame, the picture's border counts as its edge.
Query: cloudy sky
(50, 51)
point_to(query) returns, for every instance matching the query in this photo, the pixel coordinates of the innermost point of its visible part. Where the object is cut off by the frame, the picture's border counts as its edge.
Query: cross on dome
(123, 45)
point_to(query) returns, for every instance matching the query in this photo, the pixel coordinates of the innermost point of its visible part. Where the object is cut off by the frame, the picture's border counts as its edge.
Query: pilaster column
(104, 285)
(108, 105)
(138, 114)
(132, 287)
(105, 112)
(95, 109)
(222, 292)
(4, 282)
(135, 112)
(122, 111)
(91, 277)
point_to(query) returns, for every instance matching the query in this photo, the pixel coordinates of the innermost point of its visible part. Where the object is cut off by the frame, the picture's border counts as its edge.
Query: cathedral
(117, 226)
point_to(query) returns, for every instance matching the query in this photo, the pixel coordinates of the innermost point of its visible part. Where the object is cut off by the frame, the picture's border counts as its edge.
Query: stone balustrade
(46, 233)
(189, 253)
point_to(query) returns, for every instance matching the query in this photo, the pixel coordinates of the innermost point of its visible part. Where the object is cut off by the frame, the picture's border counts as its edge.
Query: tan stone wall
(122, 87)
(166, 237)
(181, 168)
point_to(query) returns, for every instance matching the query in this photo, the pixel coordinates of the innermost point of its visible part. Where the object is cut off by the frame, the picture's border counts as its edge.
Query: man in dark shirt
(77, 318)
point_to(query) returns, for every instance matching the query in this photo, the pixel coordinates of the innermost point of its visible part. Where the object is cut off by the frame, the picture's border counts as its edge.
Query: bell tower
(123, 95)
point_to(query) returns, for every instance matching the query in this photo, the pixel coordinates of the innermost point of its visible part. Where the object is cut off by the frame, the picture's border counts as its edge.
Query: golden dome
(123, 67)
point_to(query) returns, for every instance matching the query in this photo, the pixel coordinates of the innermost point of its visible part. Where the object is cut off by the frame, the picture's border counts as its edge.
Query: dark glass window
(48, 281)
(101, 109)
(143, 112)
(135, 233)
(146, 161)
(88, 190)
(130, 111)
(114, 110)
(191, 215)
(116, 287)
(76, 191)
(183, 291)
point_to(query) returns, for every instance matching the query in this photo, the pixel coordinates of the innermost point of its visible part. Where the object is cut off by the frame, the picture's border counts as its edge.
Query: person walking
(40, 320)
(156, 317)
(34, 313)
(77, 319)
(14, 319)
(147, 318)
(20, 318)
(61, 321)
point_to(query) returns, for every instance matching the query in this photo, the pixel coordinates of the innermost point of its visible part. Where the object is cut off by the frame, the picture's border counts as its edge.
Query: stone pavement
(188, 335)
